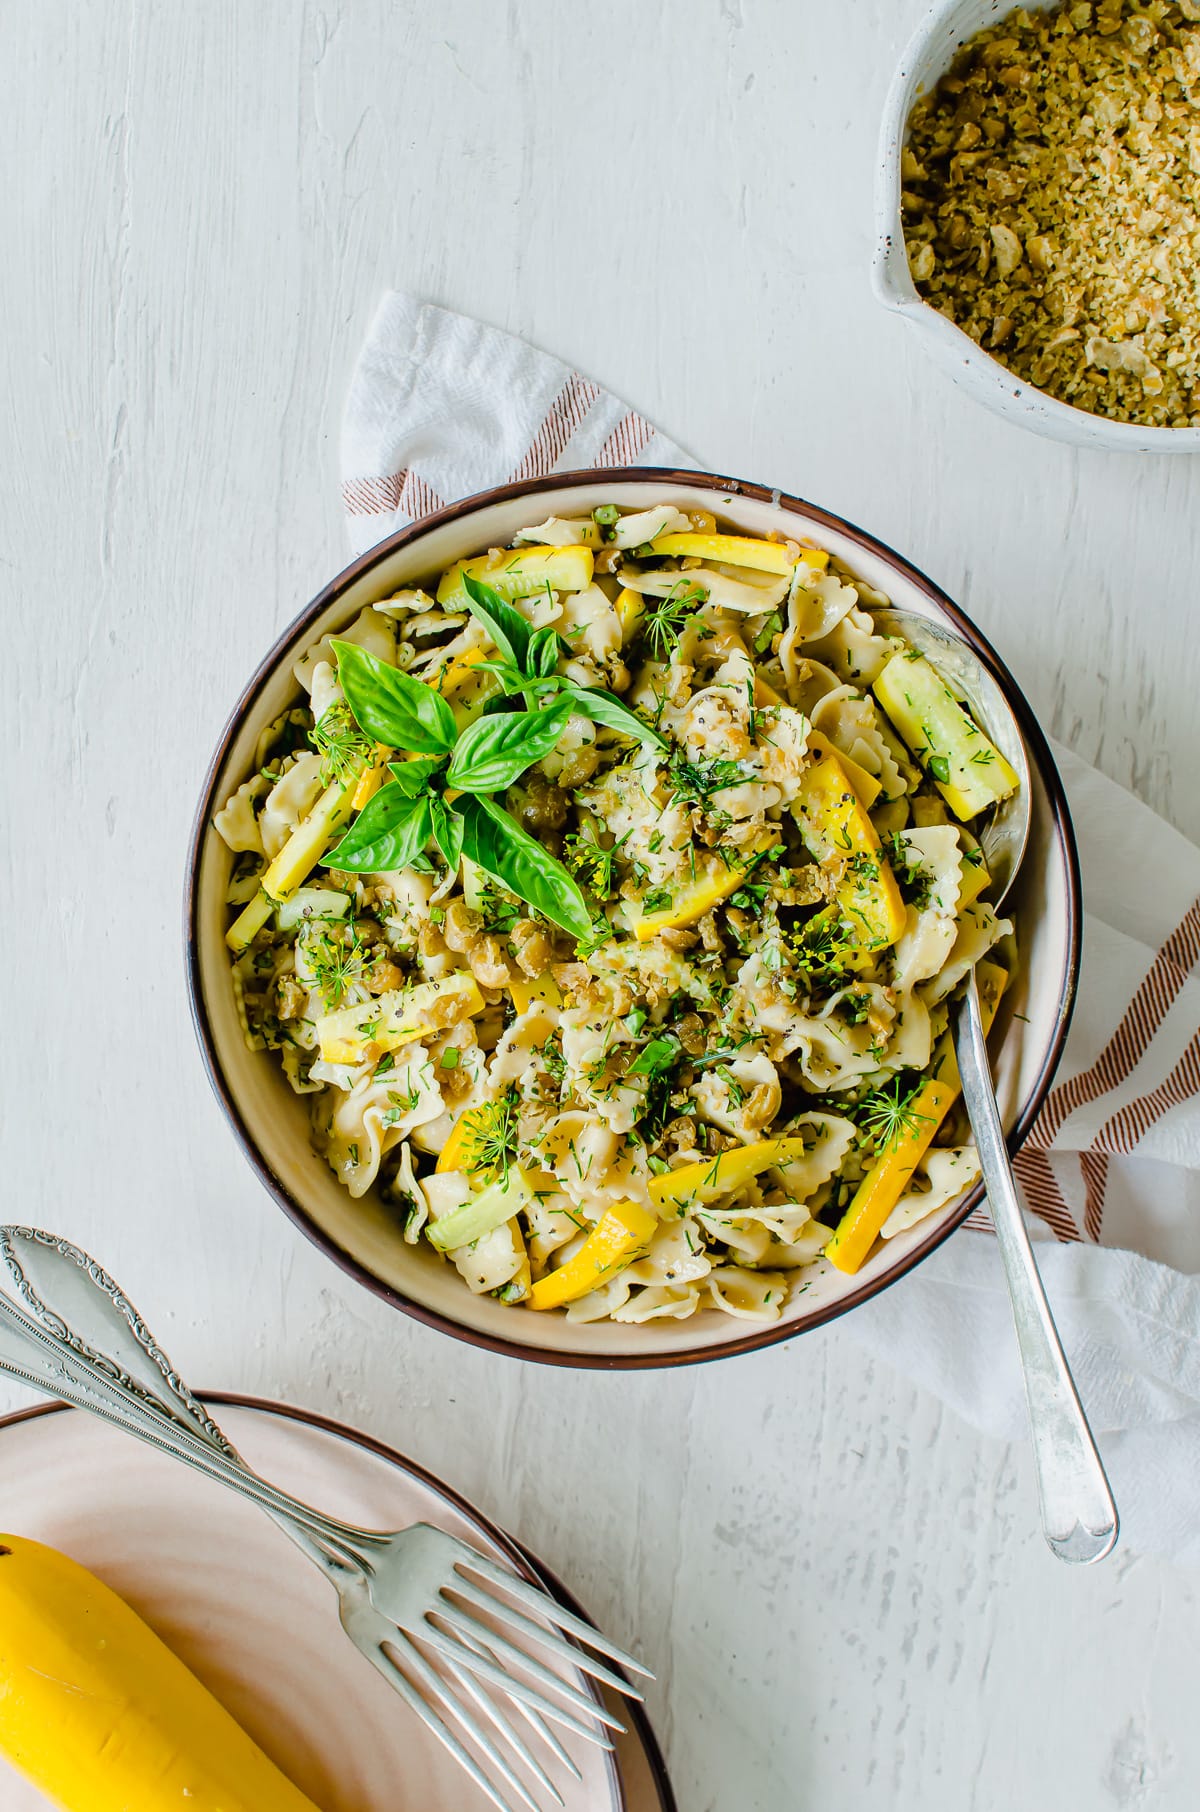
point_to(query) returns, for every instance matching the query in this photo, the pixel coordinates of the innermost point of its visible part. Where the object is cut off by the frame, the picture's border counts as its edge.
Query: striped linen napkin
(440, 407)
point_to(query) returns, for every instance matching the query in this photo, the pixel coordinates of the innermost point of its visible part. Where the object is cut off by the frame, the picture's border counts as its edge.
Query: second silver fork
(395, 1590)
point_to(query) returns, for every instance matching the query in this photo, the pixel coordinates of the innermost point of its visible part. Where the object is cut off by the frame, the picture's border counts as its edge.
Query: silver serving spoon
(1079, 1517)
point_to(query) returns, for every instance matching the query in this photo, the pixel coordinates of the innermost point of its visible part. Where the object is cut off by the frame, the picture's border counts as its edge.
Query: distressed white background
(844, 1592)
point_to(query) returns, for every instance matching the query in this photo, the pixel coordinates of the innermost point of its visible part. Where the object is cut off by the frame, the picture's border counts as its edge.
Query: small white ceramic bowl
(946, 28)
(271, 1122)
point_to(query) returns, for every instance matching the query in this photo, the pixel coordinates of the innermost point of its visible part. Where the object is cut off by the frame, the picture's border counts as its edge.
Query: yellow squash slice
(835, 827)
(861, 779)
(969, 771)
(692, 1185)
(729, 550)
(888, 1177)
(352, 1034)
(372, 778)
(297, 859)
(520, 573)
(525, 991)
(631, 608)
(691, 899)
(620, 1235)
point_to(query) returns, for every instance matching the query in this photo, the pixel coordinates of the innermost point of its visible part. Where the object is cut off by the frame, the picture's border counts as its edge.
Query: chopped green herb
(887, 1114)
(340, 743)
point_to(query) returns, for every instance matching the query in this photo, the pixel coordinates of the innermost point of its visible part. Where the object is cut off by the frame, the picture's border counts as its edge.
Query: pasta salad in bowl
(577, 903)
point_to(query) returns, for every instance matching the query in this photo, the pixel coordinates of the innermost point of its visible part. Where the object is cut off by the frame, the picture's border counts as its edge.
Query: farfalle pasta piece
(289, 802)
(237, 821)
(750, 1295)
(934, 861)
(941, 1176)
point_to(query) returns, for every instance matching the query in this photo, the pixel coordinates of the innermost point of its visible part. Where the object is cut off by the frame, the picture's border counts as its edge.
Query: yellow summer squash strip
(296, 860)
(619, 1237)
(889, 1176)
(713, 882)
(975, 880)
(458, 672)
(520, 573)
(384, 1024)
(969, 771)
(730, 550)
(525, 990)
(372, 778)
(692, 1185)
(631, 608)
(861, 779)
(691, 901)
(454, 1155)
(835, 826)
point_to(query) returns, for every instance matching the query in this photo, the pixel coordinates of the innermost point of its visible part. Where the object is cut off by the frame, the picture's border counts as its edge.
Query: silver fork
(395, 1590)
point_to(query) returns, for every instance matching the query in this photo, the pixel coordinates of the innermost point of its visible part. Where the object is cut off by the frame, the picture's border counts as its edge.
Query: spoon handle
(1079, 1517)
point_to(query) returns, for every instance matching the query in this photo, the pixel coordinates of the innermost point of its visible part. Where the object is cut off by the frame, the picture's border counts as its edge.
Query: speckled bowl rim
(523, 1560)
(1040, 757)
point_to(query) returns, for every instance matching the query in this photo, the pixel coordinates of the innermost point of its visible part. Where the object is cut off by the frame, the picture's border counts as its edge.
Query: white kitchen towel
(441, 406)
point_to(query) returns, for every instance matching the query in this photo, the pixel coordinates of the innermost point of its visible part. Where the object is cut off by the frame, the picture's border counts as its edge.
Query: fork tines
(553, 1612)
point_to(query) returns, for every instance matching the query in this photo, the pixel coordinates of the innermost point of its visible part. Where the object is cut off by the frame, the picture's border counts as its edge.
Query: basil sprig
(445, 793)
(393, 828)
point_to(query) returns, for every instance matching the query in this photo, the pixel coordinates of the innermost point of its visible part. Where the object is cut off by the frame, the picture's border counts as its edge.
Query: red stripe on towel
(563, 419)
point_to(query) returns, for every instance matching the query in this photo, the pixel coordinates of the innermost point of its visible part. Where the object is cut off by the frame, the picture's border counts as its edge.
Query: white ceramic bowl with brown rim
(947, 26)
(271, 1122)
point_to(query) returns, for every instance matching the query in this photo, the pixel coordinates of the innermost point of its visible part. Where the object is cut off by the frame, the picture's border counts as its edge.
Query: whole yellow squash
(101, 1716)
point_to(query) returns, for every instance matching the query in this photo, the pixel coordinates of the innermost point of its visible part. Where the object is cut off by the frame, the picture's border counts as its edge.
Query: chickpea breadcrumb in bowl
(1039, 212)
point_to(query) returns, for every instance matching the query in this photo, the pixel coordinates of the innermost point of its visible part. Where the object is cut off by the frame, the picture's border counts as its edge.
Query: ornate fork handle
(105, 1327)
(47, 1363)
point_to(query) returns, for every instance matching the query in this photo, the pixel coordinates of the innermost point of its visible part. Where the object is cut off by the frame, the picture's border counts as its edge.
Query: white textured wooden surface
(843, 1591)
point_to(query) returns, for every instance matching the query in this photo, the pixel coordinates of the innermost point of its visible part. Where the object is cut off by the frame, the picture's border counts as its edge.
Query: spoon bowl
(1005, 834)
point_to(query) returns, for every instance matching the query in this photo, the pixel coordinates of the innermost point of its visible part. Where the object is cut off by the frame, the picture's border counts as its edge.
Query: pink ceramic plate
(231, 1596)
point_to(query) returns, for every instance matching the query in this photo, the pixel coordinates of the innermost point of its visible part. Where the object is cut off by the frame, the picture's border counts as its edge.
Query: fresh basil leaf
(542, 655)
(493, 751)
(412, 777)
(447, 830)
(509, 630)
(393, 707)
(606, 708)
(658, 1057)
(389, 832)
(493, 839)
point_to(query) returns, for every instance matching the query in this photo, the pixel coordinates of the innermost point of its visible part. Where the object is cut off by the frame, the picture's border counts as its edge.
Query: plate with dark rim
(270, 1123)
(255, 1621)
